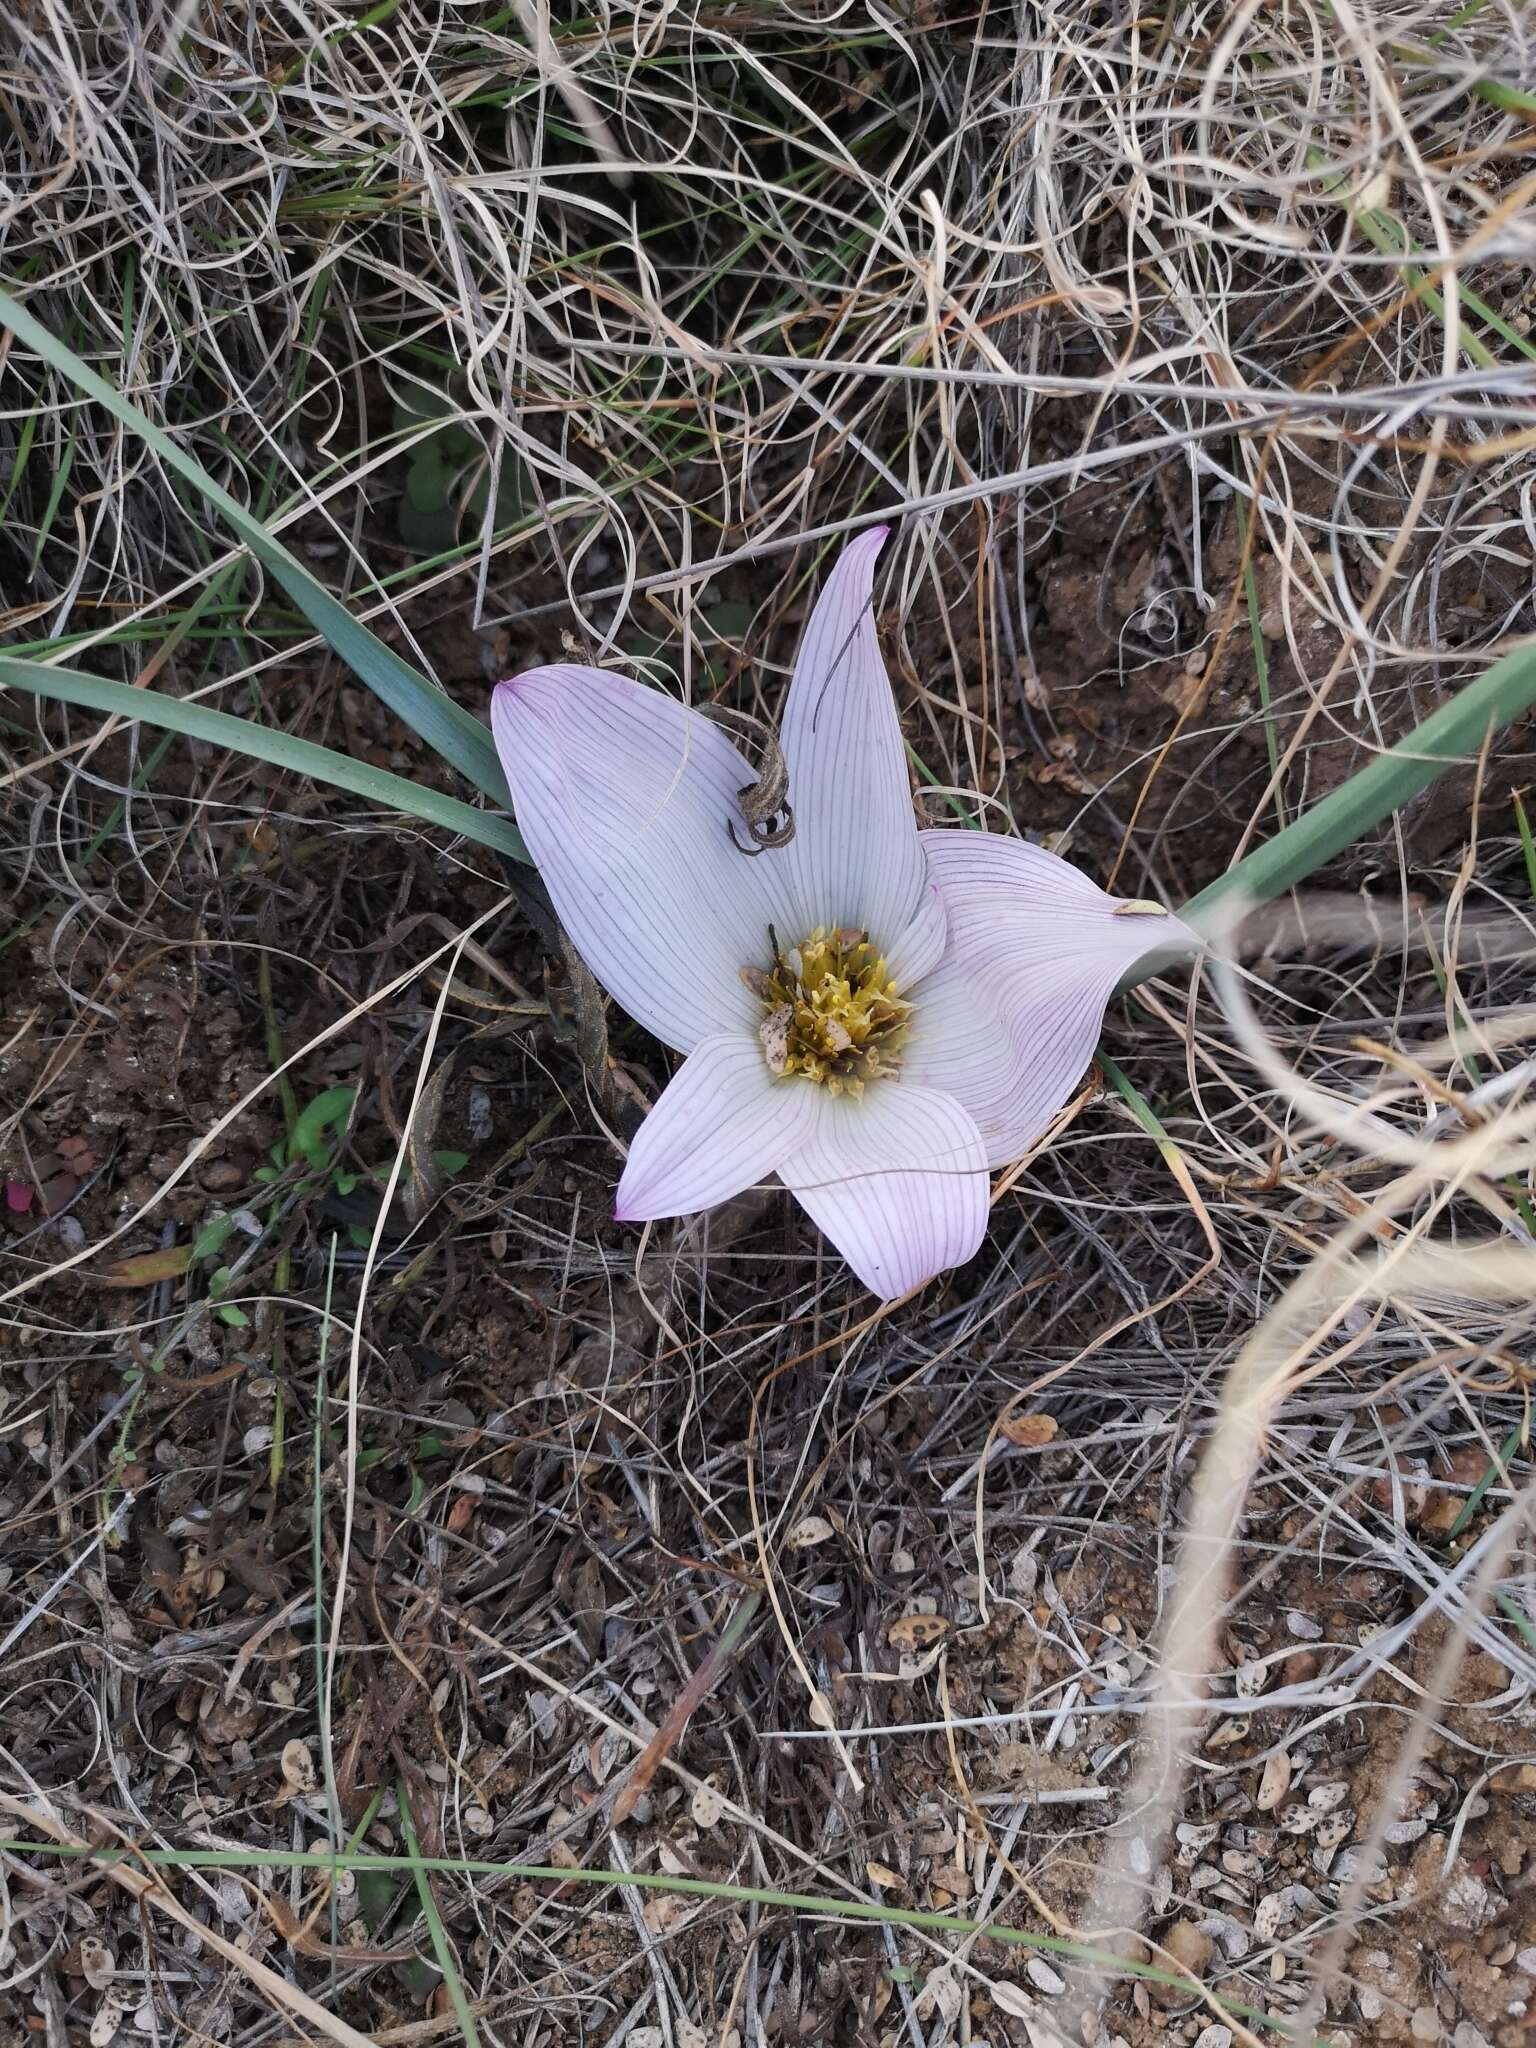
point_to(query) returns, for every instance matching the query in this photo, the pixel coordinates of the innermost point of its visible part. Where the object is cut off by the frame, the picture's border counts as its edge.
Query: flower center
(831, 1011)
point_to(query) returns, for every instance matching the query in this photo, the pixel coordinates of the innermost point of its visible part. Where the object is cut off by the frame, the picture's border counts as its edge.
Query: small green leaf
(344, 1183)
(265, 1173)
(451, 1162)
(731, 620)
(376, 1891)
(213, 1237)
(427, 534)
(418, 403)
(429, 479)
(514, 493)
(425, 518)
(308, 1138)
(228, 1313)
(218, 1282)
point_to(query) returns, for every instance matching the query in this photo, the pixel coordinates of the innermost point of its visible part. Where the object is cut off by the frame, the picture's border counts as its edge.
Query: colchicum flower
(876, 1014)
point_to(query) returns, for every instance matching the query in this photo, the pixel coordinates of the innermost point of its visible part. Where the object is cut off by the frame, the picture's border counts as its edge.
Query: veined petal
(854, 857)
(723, 1122)
(1008, 1021)
(626, 799)
(897, 1179)
(921, 946)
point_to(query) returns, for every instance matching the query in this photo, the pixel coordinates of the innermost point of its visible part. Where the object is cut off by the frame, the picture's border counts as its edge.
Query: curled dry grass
(1195, 350)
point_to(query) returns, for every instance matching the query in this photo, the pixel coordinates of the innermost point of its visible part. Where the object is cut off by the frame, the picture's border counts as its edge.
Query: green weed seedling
(310, 1143)
(448, 479)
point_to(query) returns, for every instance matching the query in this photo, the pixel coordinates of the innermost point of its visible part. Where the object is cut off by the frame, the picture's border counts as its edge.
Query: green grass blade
(1527, 843)
(18, 465)
(833, 1908)
(281, 749)
(1499, 1469)
(1136, 1102)
(442, 1947)
(1450, 735)
(1260, 648)
(446, 727)
(55, 500)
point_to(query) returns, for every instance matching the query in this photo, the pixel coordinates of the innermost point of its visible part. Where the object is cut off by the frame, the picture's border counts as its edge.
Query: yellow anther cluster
(832, 1013)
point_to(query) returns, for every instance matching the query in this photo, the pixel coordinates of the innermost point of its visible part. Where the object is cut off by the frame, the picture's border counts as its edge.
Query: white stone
(1465, 1902)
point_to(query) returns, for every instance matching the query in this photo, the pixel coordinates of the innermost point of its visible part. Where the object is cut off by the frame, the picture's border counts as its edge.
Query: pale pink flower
(876, 1014)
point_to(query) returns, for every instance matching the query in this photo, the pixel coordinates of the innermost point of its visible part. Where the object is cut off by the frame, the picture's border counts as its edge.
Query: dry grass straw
(1370, 1261)
(148, 1889)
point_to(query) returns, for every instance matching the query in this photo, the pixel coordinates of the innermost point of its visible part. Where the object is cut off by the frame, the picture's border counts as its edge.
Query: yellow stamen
(831, 1011)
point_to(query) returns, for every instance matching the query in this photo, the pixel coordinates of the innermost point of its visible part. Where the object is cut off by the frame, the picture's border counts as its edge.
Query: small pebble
(1275, 1782)
(1272, 1912)
(1336, 1829)
(1251, 1677)
(1191, 1948)
(1465, 1902)
(1232, 1934)
(1401, 1831)
(1425, 2025)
